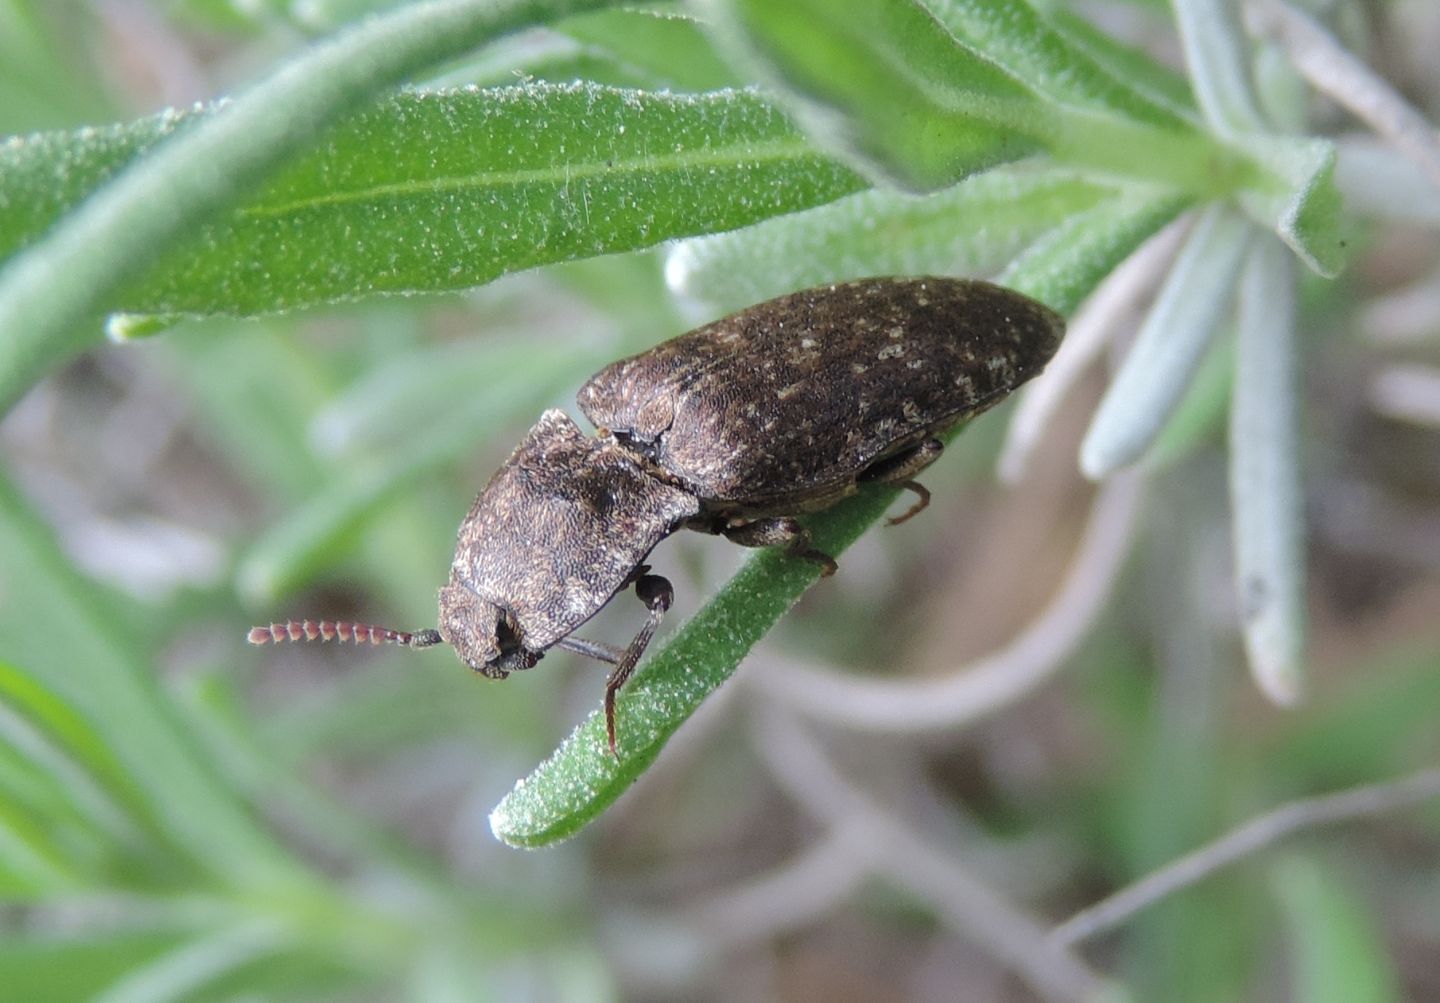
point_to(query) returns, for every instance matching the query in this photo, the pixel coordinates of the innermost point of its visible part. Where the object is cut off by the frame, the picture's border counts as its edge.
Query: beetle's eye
(507, 634)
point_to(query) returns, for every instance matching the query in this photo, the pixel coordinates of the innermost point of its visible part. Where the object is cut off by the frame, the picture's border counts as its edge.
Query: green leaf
(915, 106)
(581, 778)
(45, 77)
(1182, 323)
(74, 969)
(1064, 265)
(1338, 952)
(51, 296)
(971, 228)
(113, 794)
(192, 966)
(1015, 35)
(670, 51)
(439, 191)
(66, 805)
(1297, 198)
(913, 103)
(1218, 60)
(73, 642)
(898, 92)
(1202, 412)
(1162, 85)
(31, 862)
(1293, 187)
(1266, 497)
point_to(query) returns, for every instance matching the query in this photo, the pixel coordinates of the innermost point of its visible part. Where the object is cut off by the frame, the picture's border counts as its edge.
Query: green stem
(1195, 163)
(1192, 162)
(51, 297)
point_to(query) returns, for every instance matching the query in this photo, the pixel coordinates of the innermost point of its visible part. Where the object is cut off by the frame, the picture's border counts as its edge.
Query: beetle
(735, 428)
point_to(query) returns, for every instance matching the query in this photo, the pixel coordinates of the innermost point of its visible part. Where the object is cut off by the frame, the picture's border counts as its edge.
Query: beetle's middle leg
(901, 469)
(777, 531)
(657, 594)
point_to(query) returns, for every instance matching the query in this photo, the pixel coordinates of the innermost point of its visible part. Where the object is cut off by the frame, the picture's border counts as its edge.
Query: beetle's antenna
(342, 630)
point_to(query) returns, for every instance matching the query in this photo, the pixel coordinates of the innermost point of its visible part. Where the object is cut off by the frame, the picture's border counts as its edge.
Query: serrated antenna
(342, 630)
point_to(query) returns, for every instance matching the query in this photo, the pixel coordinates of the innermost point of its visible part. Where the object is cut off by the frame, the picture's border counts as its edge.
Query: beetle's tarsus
(913, 510)
(801, 549)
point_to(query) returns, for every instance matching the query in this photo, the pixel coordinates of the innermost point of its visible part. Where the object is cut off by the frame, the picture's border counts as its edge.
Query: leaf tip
(123, 327)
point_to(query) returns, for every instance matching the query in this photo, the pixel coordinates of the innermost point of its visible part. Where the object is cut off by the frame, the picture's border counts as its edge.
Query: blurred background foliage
(893, 799)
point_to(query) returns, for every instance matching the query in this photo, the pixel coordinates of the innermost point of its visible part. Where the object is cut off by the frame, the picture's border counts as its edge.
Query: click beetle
(735, 428)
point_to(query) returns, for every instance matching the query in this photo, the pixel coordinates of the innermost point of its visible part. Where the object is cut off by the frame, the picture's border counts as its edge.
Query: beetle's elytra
(735, 428)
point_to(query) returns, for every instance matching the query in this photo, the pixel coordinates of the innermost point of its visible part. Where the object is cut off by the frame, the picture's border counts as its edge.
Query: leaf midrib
(721, 156)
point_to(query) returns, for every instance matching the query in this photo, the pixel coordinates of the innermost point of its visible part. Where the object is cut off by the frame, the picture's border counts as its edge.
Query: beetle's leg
(657, 594)
(776, 531)
(901, 469)
(597, 650)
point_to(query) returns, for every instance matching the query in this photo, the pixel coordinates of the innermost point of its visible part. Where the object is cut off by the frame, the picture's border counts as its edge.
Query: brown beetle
(735, 428)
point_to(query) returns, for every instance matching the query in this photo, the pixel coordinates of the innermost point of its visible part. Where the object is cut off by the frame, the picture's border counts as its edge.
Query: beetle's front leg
(780, 531)
(901, 469)
(657, 594)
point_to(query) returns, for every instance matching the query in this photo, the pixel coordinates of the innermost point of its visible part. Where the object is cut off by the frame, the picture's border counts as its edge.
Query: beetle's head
(483, 635)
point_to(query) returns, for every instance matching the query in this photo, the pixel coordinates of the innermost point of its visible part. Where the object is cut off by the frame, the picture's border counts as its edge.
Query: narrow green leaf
(1066, 263)
(915, 105)
(1266, 498)
(1298, 199)
(900, 94)
(909, 101)
(1293, 191)
(54, 624)
(1338, 953)
(45, 77)
(1181, 324)
(192, 966)
(671, 51)
(1200, 417)
(51, 297)
(1217, 54)
(72, 969)
(63, 797)
(113, 799)
(1015, 35)
(581, 778)
(30, 862)
(968, 229)
(1162, 85)
(439, 191)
